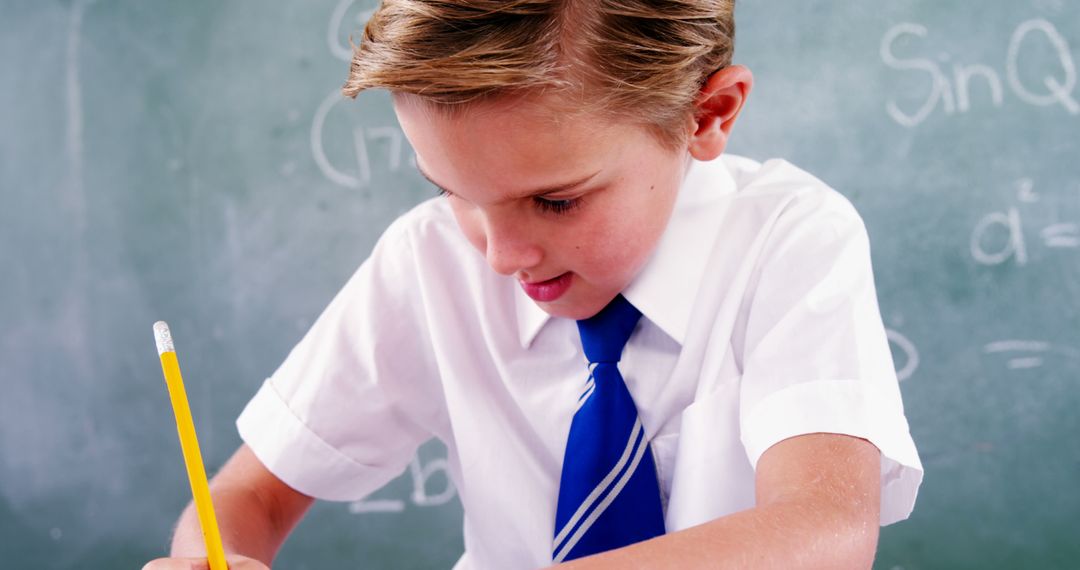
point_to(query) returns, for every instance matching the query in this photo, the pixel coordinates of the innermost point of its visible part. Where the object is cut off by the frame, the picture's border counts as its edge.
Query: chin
(573, 310)
(562, 311)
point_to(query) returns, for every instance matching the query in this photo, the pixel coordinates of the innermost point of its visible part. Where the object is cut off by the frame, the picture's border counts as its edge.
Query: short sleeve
(816, 356)
(346, 410)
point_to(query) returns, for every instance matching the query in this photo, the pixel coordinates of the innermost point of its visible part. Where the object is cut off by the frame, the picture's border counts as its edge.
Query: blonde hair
(642, 60)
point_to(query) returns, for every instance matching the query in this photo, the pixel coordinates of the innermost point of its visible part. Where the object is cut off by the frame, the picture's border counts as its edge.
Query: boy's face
(570, 208)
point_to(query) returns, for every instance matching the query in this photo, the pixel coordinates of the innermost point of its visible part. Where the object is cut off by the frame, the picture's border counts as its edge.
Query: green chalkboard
(193, 162)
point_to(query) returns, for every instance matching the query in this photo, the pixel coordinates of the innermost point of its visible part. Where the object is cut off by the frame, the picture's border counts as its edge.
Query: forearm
(248, 526)
(818, 498)
(255, 512)
(782, 535)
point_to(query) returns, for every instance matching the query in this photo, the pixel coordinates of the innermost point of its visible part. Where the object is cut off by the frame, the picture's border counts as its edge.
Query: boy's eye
(543, 204)
(556, 206)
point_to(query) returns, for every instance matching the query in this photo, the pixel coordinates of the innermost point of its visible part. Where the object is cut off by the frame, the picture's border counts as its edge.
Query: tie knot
(604, 335)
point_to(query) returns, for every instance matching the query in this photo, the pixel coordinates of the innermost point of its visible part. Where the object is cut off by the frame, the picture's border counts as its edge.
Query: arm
(817, 506)
(255, 512)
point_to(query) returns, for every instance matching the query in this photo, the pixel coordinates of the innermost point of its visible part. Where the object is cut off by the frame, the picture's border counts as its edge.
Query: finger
(177, 564)
(244, 563)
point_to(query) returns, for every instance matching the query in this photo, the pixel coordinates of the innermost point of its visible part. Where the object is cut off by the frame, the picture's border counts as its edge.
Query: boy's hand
(236, 562)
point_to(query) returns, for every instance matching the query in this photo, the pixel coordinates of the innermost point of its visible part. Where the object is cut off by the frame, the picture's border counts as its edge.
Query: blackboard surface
(192, 162)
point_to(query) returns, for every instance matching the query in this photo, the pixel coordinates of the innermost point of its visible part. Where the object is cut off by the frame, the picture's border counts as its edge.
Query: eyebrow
(532, 193)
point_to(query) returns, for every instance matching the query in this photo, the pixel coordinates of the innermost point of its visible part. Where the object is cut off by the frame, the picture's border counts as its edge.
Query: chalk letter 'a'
(1014, 246)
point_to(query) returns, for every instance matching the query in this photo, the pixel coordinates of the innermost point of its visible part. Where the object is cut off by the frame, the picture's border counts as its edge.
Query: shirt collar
(665, 289)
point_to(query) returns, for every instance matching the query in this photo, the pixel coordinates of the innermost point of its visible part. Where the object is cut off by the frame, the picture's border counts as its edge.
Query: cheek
(612, 249)
(618, 245)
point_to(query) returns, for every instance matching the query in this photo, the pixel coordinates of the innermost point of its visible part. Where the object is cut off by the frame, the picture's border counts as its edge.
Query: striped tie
(608, 495)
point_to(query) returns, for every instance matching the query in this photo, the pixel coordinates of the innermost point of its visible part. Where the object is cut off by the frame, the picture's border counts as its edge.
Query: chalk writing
(1061, 235)
(394, 138)
(1026, 191)
(910, 353)
(952, 91)
(420, 477)
(420, 474)
(1010, 224)
(376, 506)
(1024, 354)
(335, 33)
(1021, 346)
(347, 20)
(318, 152)
(390, 137)
(1014, 246)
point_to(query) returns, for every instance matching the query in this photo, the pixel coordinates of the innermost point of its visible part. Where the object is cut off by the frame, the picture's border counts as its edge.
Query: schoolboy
(578, 145)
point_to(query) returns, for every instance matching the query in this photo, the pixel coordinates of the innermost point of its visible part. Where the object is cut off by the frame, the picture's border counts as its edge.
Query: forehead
(514, 143)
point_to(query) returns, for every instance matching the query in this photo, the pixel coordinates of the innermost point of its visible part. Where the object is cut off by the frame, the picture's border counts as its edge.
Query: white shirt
(760, 323)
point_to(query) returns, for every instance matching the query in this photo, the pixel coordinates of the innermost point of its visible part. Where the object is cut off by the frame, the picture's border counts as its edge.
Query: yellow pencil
(189, 444)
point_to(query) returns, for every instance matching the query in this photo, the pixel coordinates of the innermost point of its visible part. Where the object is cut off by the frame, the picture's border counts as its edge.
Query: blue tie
(608, 495)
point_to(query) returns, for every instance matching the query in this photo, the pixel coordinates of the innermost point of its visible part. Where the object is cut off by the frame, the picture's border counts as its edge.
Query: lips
(547, 291)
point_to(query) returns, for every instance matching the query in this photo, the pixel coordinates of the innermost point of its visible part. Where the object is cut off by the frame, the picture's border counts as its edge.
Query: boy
(756, 417)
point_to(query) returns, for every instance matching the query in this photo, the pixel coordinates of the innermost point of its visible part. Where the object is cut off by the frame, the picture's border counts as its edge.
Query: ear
(718, 105)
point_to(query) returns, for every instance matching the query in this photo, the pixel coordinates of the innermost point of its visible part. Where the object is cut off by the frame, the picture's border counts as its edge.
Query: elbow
(860, 544)
(854, 540)
(844, 534)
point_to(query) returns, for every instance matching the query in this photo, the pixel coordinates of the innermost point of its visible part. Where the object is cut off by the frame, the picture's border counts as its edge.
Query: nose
(510, 245)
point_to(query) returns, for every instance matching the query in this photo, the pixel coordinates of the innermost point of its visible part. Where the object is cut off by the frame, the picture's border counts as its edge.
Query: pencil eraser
(163, 338)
